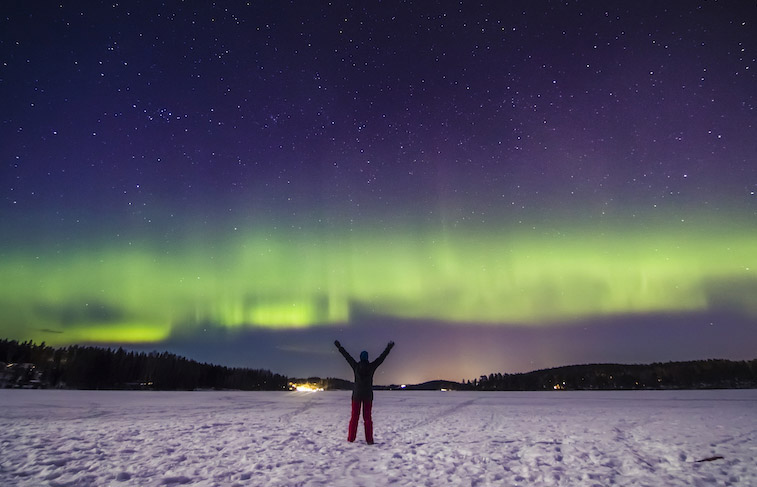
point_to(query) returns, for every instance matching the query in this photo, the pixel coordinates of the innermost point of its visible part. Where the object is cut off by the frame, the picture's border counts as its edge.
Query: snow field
(639, 438)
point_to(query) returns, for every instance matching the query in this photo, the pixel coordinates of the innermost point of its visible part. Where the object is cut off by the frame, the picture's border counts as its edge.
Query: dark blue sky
(443, 173)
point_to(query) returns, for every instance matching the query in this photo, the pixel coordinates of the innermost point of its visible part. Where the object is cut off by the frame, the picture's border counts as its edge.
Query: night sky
(497, 187)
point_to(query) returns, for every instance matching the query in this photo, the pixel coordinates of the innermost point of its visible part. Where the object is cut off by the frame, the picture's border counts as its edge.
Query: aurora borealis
(496, 188)
(281, 281)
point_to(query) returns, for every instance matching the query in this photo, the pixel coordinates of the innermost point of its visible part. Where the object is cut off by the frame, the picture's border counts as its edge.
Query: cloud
(78, 313)
(47, 330)
(735, 293)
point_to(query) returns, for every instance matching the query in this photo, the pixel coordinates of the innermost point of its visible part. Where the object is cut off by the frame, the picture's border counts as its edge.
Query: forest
(26, 364)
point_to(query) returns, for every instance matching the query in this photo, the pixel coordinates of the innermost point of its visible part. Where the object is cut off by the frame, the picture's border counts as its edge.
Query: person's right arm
(346, 355)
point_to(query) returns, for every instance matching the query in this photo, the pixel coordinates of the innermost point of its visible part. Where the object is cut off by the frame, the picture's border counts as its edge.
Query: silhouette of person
(362, 393)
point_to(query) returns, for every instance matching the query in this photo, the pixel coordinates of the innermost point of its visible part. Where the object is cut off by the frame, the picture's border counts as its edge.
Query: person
(362, 393)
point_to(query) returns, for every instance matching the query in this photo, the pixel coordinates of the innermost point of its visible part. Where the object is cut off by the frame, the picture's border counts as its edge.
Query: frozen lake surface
(652, 438)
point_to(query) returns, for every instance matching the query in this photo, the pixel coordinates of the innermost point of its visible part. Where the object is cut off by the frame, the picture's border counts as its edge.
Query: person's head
(363, 356)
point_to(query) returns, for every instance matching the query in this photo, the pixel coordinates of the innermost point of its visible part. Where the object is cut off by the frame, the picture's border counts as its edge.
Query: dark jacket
(364, 373)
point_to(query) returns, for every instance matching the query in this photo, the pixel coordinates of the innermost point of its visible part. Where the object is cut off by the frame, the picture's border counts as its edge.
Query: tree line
(699, 374)
(26, 364)
(85, 367)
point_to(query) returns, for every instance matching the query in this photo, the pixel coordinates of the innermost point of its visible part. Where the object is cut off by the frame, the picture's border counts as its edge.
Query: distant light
(403, 386)
(305, 387)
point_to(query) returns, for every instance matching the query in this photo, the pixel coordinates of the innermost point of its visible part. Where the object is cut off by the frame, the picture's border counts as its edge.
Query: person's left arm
(383, 355)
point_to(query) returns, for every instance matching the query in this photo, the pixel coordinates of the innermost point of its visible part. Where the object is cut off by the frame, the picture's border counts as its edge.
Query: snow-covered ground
(422, 438)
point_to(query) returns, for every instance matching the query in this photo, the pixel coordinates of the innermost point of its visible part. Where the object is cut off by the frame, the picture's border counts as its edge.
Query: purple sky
(497, 188)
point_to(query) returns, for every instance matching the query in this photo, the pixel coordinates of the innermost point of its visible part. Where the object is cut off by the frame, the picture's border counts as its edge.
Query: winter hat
(364, 355)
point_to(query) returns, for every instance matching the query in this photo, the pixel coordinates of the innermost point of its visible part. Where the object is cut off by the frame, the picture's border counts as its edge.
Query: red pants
(367, 420)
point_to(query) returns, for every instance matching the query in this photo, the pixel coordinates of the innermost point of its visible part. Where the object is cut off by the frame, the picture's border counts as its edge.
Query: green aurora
(276, 279)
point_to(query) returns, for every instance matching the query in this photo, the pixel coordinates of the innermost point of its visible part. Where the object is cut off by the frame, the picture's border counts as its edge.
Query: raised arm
(346, 355)
(383, 355)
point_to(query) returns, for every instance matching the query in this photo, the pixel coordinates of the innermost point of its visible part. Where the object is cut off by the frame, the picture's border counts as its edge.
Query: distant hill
(698, 374)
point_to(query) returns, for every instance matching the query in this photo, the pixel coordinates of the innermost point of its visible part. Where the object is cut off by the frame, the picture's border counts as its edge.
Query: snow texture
(645, 438)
